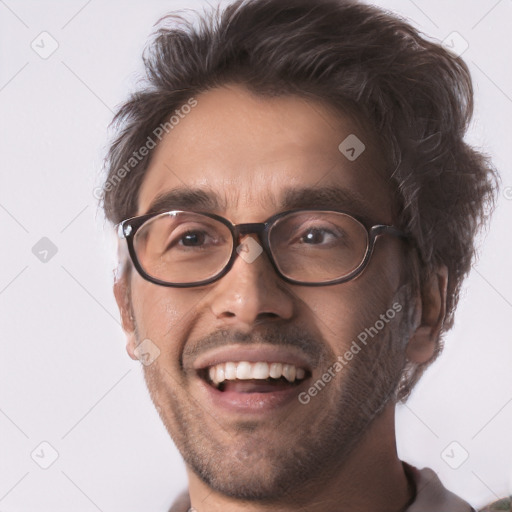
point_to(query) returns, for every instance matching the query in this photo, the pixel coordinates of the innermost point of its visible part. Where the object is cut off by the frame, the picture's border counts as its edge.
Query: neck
(371, 478)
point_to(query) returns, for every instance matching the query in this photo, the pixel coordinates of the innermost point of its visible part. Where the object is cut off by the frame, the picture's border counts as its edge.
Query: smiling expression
(235, 354)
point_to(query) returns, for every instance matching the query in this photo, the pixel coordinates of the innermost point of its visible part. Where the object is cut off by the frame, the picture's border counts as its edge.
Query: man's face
(257, 440)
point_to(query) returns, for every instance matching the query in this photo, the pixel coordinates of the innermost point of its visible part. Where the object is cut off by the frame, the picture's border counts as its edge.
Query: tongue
(254, 386)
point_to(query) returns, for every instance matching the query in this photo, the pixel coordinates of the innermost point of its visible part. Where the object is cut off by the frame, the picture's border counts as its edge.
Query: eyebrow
(330, 198)
(186, 198)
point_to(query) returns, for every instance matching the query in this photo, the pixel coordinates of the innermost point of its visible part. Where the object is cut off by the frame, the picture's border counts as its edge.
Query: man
(296, 210)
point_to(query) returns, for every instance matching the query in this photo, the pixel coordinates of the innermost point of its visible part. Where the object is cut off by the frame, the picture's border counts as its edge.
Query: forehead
(247, 156)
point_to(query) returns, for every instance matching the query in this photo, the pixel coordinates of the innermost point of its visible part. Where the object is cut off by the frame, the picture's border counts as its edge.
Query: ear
(422, 345)
(123, 299)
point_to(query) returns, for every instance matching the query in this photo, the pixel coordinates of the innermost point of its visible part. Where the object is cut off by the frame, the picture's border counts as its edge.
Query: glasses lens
(318, 246)
(182, 247)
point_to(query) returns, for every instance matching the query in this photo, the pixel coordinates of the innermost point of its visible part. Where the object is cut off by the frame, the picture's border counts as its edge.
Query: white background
(65, 376)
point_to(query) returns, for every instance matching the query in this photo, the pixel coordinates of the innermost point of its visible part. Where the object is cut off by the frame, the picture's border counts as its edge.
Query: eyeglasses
(311, 247)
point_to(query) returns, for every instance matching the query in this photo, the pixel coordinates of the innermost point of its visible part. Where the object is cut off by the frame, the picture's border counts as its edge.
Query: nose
(251, 292)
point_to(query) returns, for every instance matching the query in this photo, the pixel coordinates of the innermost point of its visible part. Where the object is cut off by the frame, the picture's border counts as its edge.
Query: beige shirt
(431, 495)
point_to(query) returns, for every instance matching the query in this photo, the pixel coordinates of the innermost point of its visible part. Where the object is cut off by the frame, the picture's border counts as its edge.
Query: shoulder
(431, 494)
(182, 503)
(503, 505)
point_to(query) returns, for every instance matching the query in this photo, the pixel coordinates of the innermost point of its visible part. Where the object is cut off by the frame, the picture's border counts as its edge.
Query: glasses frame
(129, 227)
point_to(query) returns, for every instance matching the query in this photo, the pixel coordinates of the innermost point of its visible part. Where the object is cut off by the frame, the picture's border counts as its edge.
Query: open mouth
(253, 377)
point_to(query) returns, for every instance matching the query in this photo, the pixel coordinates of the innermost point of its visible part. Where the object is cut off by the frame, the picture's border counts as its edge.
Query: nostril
(267, 316)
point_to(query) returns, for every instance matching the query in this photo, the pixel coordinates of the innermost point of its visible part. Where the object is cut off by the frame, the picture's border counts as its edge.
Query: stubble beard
(273, 465)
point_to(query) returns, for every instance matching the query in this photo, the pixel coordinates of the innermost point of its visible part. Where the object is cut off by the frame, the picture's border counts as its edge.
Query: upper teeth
(244, 370)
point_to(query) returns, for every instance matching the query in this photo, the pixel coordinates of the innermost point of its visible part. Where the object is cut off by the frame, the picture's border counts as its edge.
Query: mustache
(314, 347)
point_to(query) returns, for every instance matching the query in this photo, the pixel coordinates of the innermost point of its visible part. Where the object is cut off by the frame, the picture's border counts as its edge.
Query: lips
(257, 378)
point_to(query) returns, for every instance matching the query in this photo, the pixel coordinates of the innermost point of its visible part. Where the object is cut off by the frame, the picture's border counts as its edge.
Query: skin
(338, 451)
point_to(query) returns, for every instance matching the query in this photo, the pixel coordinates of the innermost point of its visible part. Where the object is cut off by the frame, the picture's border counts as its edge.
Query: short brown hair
(416, 95)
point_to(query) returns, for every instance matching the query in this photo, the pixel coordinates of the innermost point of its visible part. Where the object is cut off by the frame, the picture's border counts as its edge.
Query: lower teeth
(280, 381)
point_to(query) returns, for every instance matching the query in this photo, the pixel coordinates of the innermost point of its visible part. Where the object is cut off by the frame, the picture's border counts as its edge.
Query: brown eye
(192, 239)
(317, 236)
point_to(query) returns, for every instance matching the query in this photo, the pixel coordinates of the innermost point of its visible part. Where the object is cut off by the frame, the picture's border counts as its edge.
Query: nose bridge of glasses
(254, 228)
(251, 228)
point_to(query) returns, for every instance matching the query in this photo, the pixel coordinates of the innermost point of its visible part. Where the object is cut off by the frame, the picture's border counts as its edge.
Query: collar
(428, 494)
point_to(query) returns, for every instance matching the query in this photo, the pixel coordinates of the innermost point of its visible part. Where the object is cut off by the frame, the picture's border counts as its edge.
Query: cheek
(343, 311)
(162, 314)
